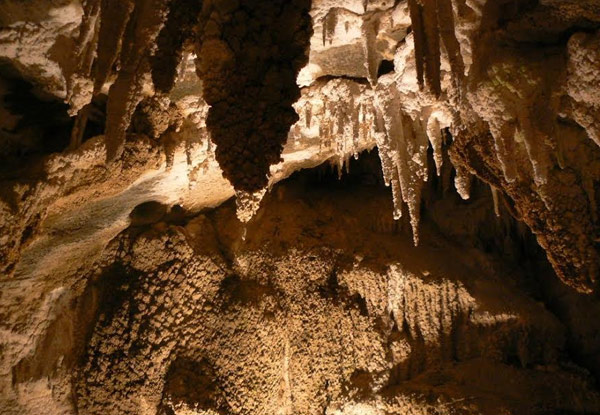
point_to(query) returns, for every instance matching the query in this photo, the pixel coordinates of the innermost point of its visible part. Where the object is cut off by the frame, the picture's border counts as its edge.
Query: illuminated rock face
(128, 283)
(277, 322)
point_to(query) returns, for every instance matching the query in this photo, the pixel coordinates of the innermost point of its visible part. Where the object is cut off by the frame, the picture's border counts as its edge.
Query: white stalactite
(462, 183)
(496, 202)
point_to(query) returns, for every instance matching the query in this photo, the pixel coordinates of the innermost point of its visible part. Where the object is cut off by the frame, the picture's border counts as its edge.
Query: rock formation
(313, 207)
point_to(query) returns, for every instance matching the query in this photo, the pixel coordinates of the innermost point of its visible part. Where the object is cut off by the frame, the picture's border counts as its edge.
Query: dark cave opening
(385, 67)
(43, 125)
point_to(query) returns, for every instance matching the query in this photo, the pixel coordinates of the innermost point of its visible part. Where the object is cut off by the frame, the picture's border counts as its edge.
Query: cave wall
(120, 121)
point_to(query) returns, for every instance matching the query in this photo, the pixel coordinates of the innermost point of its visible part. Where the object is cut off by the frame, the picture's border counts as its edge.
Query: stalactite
(329, 23)
(127, 33)
(340, 118)
(177, 30)
(418, 28)
(385, 156)
(432, 46)
(423, 14)
(79, 84)
(248, 203)
(308, 114)
(496, 201)
(79, 88)
(503, 135)
(417, 170)
(249, 87)
(434, 134)
(396, 195)
(114, 19)
(462, 182)
(355, 119)
(79, 127)
(387, 153)
(369, 44)
(403, 153)
(448, 36)
(295, 134)
(125, 93)
(536, 149)
(432, 20)
(88, 32)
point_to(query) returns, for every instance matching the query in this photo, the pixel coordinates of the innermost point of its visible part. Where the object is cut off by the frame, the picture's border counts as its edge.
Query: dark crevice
(385, 67)
(44, 126)
(358, 80)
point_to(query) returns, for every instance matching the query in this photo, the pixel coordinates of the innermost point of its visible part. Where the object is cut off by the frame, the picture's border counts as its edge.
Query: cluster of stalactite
(114, 34)
(403, 144)
(249, 54)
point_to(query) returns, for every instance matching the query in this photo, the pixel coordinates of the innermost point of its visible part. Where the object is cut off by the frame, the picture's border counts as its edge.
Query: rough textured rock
(248, 57)
(283, 322)
(130, 284)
